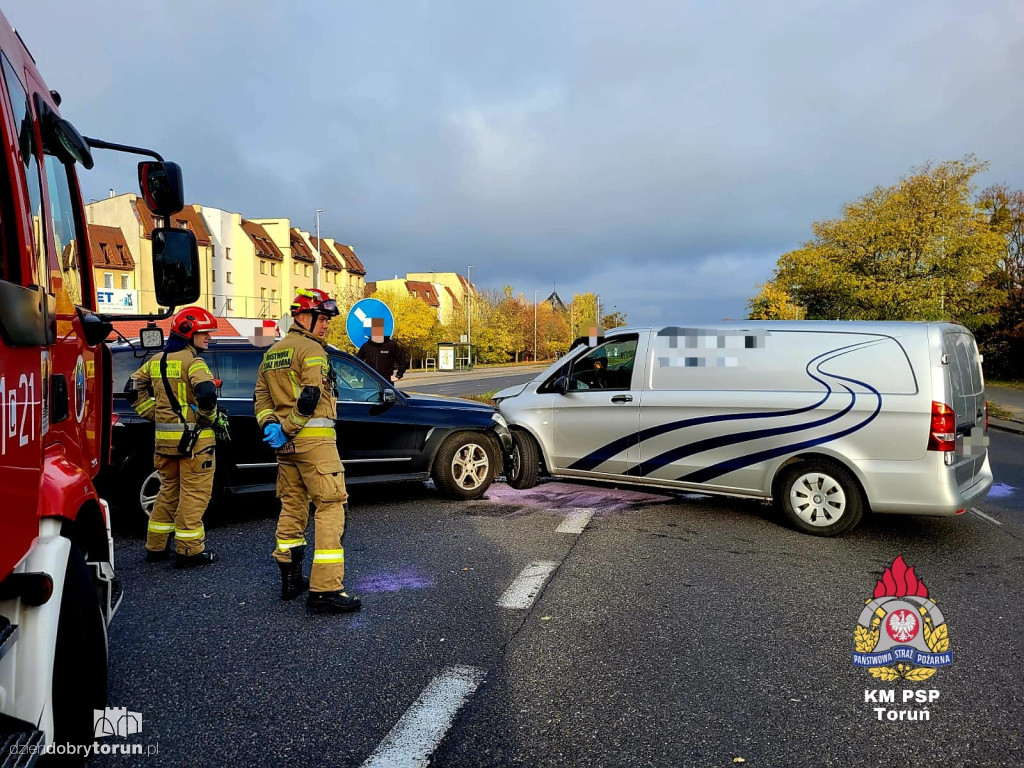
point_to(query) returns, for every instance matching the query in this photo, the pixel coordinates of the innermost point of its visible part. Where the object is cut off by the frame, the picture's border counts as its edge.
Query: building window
(295, 269)
(307, 270)
(263, 267)
(263, 293)
(213, 275)
(125, 282)
(231, 304)
(108, 279)
(227, 253)
(273, 270)
(230, 280)
(214, 302)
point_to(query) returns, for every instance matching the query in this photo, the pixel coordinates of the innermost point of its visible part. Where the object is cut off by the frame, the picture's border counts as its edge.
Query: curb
(1004, 425)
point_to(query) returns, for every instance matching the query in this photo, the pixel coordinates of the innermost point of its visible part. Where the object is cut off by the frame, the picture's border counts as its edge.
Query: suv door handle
(622, 399)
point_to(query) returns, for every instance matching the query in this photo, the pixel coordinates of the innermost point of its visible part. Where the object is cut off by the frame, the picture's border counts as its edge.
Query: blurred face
(377, 330)
(201, 341)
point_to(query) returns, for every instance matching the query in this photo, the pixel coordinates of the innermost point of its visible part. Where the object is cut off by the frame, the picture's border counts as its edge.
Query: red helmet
(192, 320)
(316, 301)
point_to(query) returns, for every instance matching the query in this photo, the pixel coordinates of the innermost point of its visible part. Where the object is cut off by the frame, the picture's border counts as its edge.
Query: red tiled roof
(265, 247)
(327, 254)
(130, 328)
(186, 218)
(300, 251)
(424, 291)
(455, 301)
(109, 248)
(369, 289)
(352, 262)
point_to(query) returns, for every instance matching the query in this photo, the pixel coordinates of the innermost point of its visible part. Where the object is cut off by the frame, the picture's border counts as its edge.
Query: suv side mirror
(175, 266)
(560, 385)
(162, 187)
(387, 395)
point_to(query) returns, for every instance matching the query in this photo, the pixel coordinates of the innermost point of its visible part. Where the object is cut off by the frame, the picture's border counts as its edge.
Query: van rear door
(967, 398)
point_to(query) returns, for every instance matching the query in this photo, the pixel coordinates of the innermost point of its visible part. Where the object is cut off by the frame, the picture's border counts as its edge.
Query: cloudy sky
(662, 154)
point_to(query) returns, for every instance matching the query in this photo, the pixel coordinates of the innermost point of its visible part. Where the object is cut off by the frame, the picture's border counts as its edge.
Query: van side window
(608, 366)
(28, 151)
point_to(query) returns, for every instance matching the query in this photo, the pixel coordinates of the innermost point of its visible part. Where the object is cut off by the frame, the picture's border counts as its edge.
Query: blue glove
(274, 435)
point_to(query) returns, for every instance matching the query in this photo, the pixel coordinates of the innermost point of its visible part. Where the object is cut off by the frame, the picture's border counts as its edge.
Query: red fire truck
(57, 585)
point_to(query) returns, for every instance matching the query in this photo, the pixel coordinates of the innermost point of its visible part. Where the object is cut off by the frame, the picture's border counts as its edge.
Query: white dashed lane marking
(416, 735)
(983, 516)
(527, 586)
(575, 521)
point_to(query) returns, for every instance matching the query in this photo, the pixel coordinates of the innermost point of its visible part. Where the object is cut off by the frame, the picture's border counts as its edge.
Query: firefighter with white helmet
(176, 390)
(296, 407)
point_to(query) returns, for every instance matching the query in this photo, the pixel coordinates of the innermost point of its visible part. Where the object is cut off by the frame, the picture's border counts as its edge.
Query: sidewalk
(443, 377)
(1011, 400)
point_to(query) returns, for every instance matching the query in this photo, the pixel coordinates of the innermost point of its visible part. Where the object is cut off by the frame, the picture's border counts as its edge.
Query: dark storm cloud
(661, 155)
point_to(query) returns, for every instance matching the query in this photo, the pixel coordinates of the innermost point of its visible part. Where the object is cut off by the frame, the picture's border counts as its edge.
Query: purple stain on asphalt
(407, 578)
(567, 496)
(1001, 491)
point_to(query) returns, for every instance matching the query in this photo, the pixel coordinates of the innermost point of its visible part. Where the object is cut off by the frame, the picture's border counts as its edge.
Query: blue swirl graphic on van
(615, 447)
(704, 474)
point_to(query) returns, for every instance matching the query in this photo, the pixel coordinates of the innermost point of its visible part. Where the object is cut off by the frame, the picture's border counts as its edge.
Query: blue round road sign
(358, 322)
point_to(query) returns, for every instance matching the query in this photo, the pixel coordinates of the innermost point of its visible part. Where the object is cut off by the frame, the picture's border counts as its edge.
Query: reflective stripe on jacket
(185, 370)
(298, 360)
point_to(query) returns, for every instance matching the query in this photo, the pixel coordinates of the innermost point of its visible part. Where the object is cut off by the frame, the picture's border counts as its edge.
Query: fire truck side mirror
(175, 266)
(162, 187)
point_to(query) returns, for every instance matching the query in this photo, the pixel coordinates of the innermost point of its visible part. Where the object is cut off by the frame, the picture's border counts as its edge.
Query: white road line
(983, 516)
(527, 586)
(575, 521)
(416, 735)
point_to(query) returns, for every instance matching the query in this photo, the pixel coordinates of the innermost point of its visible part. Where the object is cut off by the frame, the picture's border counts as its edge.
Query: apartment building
(113, 271)
(130, 215)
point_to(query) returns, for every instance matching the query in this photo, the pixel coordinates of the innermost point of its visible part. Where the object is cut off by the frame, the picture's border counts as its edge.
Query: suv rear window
(125, 364)
(237, 369)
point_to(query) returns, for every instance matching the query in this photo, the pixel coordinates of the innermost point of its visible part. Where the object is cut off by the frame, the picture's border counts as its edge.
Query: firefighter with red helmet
(176, 390)
(296, 407)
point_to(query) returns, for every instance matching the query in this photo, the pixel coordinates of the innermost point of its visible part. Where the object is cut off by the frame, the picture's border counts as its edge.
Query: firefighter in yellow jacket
(176, 390)
(296, 407)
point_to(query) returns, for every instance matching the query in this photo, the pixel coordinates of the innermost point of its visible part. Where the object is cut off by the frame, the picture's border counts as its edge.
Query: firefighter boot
(194, 561)
(157, 555)
(293, 583)
(332, 602)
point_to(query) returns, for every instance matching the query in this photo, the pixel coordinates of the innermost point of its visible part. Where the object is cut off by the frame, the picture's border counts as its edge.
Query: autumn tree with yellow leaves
(922, 249)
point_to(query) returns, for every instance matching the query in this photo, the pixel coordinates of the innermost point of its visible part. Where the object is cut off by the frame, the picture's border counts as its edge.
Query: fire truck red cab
(58, 591)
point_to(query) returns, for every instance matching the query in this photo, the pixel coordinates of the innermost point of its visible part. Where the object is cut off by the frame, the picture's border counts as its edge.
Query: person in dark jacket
(382, 353)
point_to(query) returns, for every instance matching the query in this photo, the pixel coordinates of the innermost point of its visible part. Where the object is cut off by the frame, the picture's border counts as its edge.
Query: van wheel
(80, 658)
(464, 466)
(525, 461)
(140, 492)
(821, 498)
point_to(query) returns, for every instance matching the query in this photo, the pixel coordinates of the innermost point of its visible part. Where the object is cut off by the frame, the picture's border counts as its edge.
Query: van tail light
(986, 417)
(943, 434)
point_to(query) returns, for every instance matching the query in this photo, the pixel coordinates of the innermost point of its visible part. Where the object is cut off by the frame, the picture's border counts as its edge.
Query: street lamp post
(319, 256)
(535, 326)
(469, 313)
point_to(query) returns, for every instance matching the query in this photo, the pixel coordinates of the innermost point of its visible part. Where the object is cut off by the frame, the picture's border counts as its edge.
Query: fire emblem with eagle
(916, 638)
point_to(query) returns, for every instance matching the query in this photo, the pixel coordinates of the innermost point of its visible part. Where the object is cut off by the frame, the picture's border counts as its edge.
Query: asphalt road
(671, 631)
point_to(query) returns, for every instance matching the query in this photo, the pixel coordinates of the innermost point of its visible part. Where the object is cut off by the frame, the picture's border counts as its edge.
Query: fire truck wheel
(80, 659)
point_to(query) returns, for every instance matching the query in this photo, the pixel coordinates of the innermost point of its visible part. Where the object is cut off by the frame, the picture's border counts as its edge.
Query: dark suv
(384, 434)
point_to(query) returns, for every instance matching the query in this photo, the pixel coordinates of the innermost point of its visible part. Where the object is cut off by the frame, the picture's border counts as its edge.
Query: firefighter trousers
(186, 484)
(315, 474)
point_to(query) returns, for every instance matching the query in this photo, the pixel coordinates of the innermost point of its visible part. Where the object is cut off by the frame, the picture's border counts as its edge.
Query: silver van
(828, 419)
